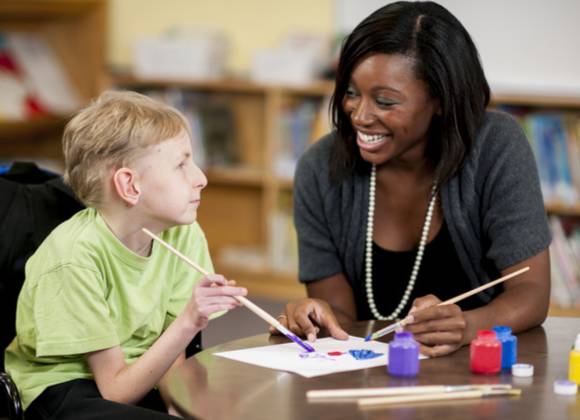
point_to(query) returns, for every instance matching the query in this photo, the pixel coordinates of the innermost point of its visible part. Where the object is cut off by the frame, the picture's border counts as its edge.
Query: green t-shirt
(85, 291)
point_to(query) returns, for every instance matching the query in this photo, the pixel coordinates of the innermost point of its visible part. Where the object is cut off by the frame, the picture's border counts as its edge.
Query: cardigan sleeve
(512, 208)
(317, 252)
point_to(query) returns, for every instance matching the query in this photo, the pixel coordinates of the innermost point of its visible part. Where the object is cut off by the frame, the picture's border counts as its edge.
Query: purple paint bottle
(403, 355)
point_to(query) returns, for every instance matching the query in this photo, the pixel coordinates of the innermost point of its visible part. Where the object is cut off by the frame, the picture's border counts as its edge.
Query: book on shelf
(18, 101)
(573, 134)
(34, 82)
(298, 126)
(553, 137)
(565, 263)
(211, 121)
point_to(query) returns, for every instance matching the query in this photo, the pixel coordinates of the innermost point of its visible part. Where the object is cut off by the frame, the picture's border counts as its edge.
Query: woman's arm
(522, 305)
(337, 292)
(330, 301)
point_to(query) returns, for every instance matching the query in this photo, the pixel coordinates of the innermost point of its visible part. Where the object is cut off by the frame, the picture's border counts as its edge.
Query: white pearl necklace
(369, 251)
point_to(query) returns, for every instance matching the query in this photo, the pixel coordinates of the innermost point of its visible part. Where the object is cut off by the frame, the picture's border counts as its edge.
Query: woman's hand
(213, 293)
(440, 330)
(305, 317)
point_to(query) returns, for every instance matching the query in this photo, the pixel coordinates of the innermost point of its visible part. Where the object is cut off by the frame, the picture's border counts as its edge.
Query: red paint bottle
(485, 352)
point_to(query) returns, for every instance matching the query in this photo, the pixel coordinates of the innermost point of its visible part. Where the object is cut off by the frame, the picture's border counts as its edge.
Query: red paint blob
(335, 353)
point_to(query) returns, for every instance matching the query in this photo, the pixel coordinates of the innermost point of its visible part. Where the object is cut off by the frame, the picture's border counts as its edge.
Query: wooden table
(212, 387)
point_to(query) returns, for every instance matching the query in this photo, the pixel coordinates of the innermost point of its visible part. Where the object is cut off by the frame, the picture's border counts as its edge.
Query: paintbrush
(356, 393)
(370, 403)
(246, 302)
(400, 324)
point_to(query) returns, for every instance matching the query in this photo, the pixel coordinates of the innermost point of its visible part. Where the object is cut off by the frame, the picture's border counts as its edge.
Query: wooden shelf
(75, 31)
(319, 88)
(253, 192)
(235, 176)
(563, 209)
(11, 131)
(541, 101)
(265, 282)
(556, 310)
(46, 10)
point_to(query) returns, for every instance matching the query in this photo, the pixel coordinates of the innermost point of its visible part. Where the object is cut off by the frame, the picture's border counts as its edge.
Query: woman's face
(389, 109)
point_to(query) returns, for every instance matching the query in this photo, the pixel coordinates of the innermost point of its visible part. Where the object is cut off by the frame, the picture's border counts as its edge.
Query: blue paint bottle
(509, 346)
(403, 355)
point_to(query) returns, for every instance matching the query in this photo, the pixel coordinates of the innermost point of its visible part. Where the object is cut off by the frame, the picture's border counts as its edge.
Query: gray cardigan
(493, 208)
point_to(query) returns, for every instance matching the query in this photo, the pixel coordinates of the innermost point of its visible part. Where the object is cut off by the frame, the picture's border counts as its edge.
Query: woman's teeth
(371, 138)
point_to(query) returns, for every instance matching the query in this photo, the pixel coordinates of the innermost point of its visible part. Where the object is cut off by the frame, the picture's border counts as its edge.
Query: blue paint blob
(364, 354)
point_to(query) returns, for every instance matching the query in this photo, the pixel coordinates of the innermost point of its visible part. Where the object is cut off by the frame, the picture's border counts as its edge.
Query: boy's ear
(126, 185)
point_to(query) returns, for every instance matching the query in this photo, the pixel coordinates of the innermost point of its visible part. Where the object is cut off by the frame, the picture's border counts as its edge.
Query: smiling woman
(419, 194)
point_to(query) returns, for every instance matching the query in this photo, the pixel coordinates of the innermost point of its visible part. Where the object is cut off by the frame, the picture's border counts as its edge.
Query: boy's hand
(214, 293)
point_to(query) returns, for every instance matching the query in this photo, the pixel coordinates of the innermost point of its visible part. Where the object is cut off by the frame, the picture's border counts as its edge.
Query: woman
(419, 194)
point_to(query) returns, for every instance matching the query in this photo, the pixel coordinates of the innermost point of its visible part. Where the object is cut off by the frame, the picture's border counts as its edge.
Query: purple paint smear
(315, 355)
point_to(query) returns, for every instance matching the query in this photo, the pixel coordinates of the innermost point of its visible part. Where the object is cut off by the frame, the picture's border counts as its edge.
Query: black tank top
(440, 274)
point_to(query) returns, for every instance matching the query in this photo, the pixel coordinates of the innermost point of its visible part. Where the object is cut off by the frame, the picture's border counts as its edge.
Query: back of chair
(33, 203)
(10, 405)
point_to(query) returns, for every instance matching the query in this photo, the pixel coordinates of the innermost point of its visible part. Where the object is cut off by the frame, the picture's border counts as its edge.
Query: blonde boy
(104, 312)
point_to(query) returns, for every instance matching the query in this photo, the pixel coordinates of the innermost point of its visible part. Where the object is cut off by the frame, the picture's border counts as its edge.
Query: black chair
(10, 405)
(33, 202)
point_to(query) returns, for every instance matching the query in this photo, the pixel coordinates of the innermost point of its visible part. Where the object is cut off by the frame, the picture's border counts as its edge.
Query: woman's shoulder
(499, 125)
(321, 149)
(499, 133)
(317, 156)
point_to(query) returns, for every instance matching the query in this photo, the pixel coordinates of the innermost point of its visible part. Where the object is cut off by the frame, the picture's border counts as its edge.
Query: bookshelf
(241, 198)
(75, 31)
(551, 104)
(525, 107)
(242, 202)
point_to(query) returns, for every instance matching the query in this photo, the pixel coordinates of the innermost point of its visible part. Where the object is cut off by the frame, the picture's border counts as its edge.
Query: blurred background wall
(249, 24)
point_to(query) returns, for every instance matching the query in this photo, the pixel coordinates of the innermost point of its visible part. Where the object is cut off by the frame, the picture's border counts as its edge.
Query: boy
(104, 312)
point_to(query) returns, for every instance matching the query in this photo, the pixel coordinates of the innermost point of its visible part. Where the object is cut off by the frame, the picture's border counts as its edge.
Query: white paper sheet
(286, 357)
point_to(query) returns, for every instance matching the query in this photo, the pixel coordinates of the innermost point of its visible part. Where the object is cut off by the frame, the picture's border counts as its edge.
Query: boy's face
(170, 182)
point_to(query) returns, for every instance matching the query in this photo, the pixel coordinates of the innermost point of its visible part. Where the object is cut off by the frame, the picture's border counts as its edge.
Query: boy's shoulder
(85, 241)
(67, 241)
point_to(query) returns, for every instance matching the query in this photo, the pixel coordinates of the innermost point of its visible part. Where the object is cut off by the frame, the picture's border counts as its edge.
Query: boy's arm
(128, 384)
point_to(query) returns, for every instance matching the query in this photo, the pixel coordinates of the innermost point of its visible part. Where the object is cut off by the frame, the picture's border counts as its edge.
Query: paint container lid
(564, 387)
(522, 370)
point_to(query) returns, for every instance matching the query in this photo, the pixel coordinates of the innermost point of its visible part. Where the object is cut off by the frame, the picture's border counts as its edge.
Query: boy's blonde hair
(110, 133)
